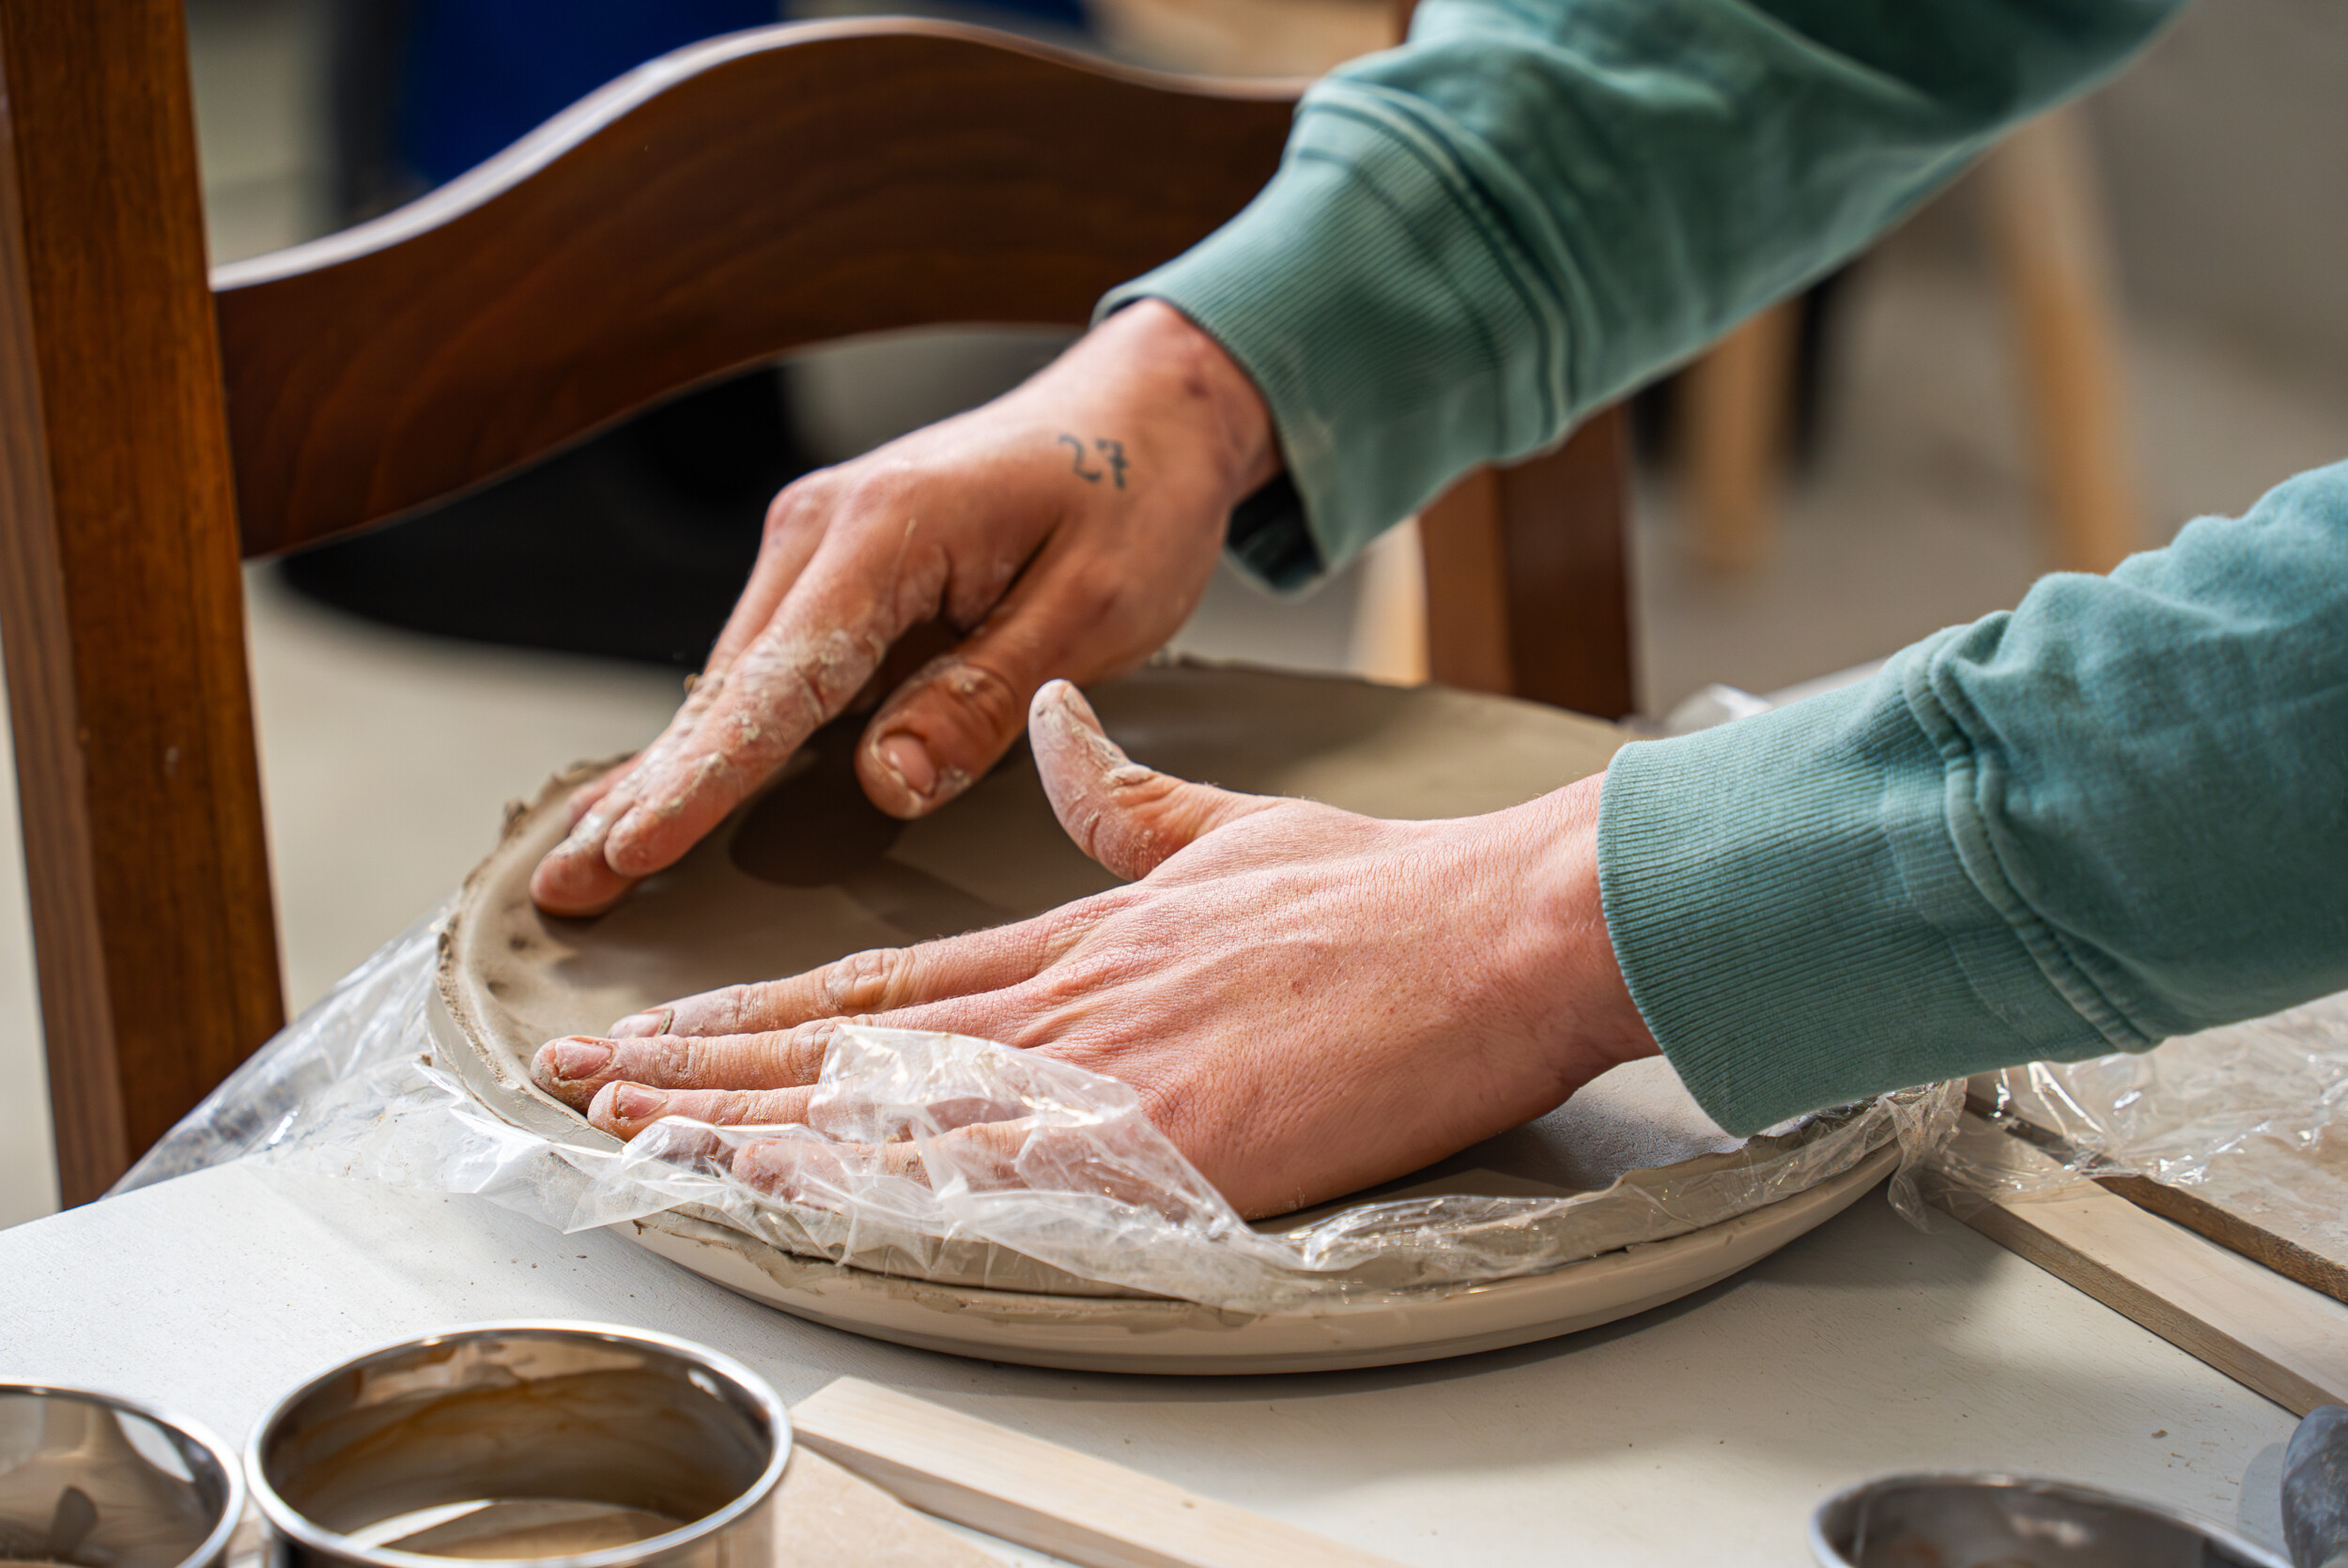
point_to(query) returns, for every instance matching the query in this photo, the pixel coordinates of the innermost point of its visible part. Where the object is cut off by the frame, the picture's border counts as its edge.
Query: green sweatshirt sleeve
(2115, 813)
(1536, 205)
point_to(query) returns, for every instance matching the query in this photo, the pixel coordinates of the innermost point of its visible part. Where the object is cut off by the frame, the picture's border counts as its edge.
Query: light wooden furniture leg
(1528, 585)
(1733, 408)
(1390, 619)
(2047, 225)
(119, 596)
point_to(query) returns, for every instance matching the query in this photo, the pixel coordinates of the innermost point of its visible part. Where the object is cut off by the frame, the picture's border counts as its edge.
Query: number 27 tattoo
(1111, 452)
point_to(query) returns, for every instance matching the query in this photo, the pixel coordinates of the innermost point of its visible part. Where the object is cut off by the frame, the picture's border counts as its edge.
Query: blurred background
(410, 681)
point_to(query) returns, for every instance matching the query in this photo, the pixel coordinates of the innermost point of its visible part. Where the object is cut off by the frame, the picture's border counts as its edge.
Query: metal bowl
(95, 1482)
(1961, 1520)
(569, 1443)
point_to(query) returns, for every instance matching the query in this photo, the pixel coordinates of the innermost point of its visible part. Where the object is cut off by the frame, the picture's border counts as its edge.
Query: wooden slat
(2195, 1212)
(1528, 582)
(119, 597)
(2266, 1332)
(1039, 1495)
(733, 201)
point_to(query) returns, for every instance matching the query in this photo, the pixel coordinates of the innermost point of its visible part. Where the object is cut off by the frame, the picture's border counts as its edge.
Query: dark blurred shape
(481, 74)
(632, 545)
(1654, 420)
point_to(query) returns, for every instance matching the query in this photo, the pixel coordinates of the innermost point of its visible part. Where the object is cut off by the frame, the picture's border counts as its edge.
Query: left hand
(1308, 1002)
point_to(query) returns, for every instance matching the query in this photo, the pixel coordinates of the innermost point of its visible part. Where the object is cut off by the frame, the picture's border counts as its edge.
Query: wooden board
(829, 1519)
(2220, 1214)
(2268, 1333)
(1039, 1495)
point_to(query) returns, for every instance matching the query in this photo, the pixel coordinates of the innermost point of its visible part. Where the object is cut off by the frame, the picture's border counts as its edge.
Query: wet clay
(810, 871)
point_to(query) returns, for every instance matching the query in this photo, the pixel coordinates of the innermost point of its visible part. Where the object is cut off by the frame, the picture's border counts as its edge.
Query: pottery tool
(2315, 1490)
(2007, 1521)
(2267, 1332)
(1039, 1495)
(524, 1440)
(87, 1479)
(2233, 1210)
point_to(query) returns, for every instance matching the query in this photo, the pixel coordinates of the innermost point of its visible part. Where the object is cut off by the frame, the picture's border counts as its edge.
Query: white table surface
(1701, 1433)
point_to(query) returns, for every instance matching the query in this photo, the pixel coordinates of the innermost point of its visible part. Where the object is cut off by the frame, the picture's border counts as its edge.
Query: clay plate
(810, 871)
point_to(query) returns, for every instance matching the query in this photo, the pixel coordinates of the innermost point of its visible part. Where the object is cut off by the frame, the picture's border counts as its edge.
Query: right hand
(1064, 531)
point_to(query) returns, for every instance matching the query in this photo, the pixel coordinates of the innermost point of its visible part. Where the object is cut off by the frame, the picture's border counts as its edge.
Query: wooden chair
(725, 205)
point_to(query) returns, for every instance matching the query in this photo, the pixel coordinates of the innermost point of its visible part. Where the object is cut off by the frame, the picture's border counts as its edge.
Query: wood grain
(2047, 227)
(119, 596)
(829, 1519)
(1734, 404)
(2233, 1231)
(733, 201)
(2267, 1333)
(1528, 585)
(1039, 1495)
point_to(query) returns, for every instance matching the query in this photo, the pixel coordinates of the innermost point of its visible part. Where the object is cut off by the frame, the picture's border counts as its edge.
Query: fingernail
(905, 757)
(644, 1025)
(578, 1057)
(633, 1102)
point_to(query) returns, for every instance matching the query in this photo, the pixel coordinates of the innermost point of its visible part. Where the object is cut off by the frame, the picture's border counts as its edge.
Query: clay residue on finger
(777, 693)
(1094, 788)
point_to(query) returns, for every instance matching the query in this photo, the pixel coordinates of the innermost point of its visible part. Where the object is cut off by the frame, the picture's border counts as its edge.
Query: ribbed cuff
(1792, 902)
(1373, 295)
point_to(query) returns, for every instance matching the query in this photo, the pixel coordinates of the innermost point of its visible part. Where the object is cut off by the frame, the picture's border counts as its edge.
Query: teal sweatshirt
(2115, 813)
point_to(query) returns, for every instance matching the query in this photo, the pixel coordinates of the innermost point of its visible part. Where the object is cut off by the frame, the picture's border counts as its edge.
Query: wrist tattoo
(1101, 459)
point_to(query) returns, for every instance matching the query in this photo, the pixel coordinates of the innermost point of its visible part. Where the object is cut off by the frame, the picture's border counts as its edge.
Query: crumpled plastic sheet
(2254, 1112)
(918, 1143)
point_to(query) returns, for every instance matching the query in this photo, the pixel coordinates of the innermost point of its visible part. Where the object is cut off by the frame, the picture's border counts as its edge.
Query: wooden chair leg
(2046, 225)
(1528, 585)
(1733, 407)
(143, 838)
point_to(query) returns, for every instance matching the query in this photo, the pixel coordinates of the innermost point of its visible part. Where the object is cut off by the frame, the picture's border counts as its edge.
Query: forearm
(1537, 204)
(2109, 816)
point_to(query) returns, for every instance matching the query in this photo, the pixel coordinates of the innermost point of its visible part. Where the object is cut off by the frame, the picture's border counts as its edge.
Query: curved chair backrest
(720, 205)
(723, 205)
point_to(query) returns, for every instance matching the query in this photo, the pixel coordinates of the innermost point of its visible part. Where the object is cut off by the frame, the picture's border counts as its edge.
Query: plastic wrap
(2253, 1116)
(920, 1143)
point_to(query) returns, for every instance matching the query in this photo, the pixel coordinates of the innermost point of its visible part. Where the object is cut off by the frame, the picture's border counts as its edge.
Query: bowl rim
(214, 1546)
(290, 1522)
(1831, 1555)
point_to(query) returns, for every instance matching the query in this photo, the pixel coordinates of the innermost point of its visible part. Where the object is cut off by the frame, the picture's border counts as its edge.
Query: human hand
(1308, 1002)
(1066, 529)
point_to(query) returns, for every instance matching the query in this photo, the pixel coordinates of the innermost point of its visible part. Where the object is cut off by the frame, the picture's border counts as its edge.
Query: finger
(1129, 818)
(826, 640)
(575, 878)
(957, 715)
(882, 979)
(985, 1153)
(575, 1069)
(623, 1110)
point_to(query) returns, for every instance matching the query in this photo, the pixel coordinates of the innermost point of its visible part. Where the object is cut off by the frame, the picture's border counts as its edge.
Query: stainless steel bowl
(569, 1443)
(1965, 1520)
(96, 1482)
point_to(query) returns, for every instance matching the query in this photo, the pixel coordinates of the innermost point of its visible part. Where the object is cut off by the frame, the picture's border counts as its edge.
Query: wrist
(1579, 1006)
(1183, 375)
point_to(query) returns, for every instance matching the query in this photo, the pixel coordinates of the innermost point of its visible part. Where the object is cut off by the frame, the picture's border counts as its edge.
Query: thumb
(1129, 818)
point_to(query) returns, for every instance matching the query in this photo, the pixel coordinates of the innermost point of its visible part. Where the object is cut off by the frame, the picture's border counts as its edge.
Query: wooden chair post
(120, 601)
(1528, 580)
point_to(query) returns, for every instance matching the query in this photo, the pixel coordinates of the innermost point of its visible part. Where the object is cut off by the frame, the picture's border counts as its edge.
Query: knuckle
(867, 982)
(802, 1051)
